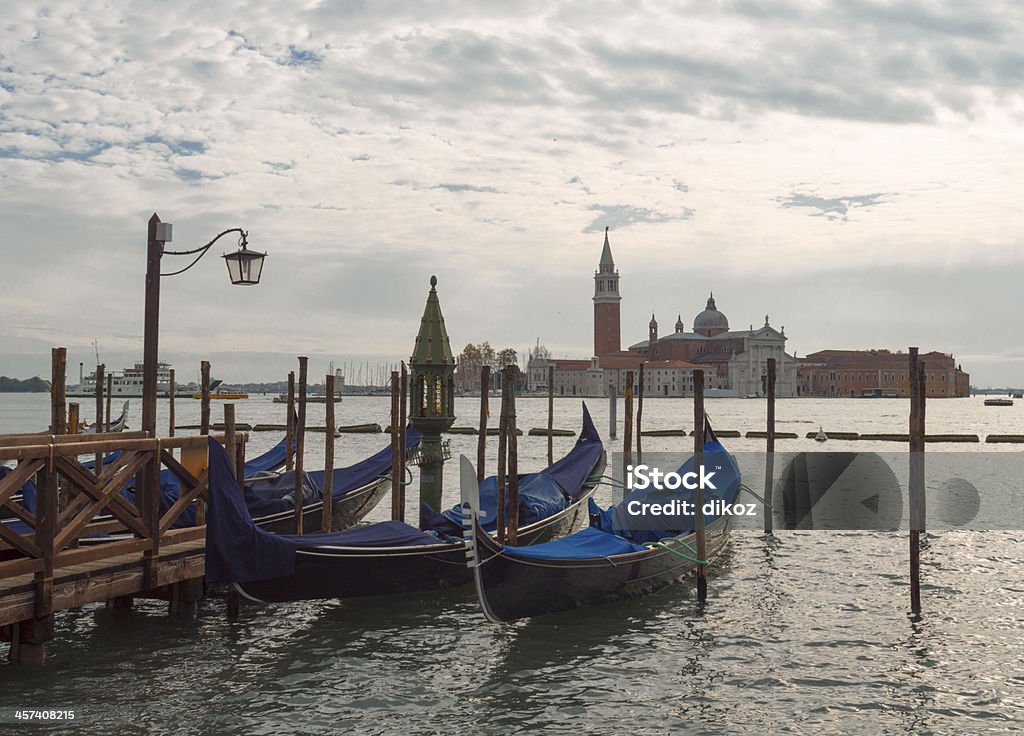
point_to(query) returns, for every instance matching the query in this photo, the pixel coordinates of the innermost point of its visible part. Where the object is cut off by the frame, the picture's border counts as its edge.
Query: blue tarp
(271, 460)
(541, 494)
(238, 551)
(649, 528)
(583, 544)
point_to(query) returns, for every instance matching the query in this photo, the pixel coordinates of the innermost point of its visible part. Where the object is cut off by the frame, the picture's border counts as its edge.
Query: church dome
(710, 321)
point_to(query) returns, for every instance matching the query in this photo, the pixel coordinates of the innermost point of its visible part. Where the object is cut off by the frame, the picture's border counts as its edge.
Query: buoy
(821, 436)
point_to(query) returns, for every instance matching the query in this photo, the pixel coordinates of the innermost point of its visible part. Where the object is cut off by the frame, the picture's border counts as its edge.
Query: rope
(605, 479)
(401, 483)
(746, 488)
(663, 544)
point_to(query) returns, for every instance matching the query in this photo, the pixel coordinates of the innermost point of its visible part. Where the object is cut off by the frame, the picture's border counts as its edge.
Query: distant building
(866, 373)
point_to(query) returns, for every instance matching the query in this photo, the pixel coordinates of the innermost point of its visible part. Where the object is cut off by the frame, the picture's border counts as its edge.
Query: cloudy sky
(853, 169)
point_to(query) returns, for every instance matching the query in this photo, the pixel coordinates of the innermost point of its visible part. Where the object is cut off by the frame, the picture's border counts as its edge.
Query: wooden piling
(402, 403)
(300, 444)
(551, 414)
(229, 436)
(289, 434)
(501, 512)
(769, 461)
(612, 407)
(481, 442)
(327, 514)
(627, 429)
(74, 418)
(172, 388)
(100, 369)
(58, 391)
(639, 414)
(916, 490)
(110, 392)
(698, 493)
(513, 458)
(204, 425)
(396, 480)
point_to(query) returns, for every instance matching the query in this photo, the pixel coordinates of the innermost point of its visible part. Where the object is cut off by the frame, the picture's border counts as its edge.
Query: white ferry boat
(127, 383)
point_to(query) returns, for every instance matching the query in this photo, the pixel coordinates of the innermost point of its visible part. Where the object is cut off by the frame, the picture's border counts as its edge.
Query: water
(806, 632)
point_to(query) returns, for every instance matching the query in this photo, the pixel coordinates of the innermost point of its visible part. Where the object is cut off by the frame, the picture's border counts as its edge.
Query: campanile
(606, 304)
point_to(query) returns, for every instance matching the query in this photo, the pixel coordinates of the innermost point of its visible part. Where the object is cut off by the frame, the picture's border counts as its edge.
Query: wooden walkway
(83, 542)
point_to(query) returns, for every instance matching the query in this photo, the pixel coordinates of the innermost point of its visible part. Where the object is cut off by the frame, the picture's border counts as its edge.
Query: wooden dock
(85, 542)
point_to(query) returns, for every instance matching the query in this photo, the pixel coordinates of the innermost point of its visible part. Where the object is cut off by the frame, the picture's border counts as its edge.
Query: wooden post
(551, 414)
(58, 391)
(170, 408)
(300, 444)
(698, 493)
(30, 637)
(769, 461)
(402, 399)
(100, 369)
(327, 514)
(204, 389)
(204, 425)
(110, 391)
(627, 430)
(229, 436)
(396, 480)
(612, 408)
(74, 419)
(289, 435)
(501, 510)
(481, 441)
(639, 414)
(916, 490)
(513, 458)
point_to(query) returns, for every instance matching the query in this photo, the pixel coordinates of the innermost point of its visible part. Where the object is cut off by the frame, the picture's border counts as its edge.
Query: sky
(851, 169)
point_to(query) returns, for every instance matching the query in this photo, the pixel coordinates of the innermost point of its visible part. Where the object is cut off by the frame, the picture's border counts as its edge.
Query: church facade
(734, 361)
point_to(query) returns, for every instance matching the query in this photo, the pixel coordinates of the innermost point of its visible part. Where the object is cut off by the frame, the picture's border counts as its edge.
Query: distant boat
(1018, 396)
(116, 425)
(998, 402)
(127, 383)
(821, 436)
(216, 393)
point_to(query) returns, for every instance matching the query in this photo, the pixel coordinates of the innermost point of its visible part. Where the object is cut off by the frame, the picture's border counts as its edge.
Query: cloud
(834, 208)
(619, 216)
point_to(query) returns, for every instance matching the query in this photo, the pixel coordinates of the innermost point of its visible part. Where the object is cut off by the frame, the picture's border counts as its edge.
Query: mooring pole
(396, 480)
(639, 413)
(327, 509)
(403, 399)
(481, 441)
(289, 433)
(58, 391)
(73, 418)
(230, 439)
(769, 460)
(513, 458)
(502, 515)
(916, 494)
(551, 414)
(99, 415)
(627, 430)
(698, 493)
(612, 399)
(300, 445)
(204, 396)
(110, 392)
(172, 389)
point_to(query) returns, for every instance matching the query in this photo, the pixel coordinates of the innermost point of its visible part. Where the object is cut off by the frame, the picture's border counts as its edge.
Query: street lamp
(244, 267)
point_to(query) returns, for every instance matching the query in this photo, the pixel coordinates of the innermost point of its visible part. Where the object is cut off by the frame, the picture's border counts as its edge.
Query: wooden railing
(76, 503)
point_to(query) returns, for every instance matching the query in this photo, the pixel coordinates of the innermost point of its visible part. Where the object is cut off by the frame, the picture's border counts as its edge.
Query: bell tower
(606, 304)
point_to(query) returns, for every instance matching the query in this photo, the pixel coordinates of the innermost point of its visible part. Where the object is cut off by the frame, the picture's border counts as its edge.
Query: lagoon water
(804, 632)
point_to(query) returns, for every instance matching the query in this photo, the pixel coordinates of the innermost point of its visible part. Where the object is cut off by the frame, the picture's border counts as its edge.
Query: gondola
(375, 559)
(604, 562)
(118, 425)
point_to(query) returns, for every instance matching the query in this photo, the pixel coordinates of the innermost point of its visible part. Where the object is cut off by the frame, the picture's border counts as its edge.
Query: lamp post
(244, 268)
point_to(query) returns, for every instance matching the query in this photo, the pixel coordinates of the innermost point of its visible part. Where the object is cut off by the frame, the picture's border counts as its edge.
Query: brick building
(868, 373)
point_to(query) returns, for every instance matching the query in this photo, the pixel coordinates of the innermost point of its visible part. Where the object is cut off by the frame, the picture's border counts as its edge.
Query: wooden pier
(87, 543)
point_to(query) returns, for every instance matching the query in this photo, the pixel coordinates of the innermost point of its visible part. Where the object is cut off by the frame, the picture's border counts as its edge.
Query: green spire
(432, 344)
(606, 254)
